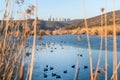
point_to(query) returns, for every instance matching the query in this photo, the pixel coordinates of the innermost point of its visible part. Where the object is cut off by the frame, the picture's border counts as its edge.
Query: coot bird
(51, 68)
(53, 74)
(58, 76)
(73, 66)
(85, 67)
(45, 76)
(98, 72)
(28, 54)
(51, 51)
(45, 69)
(46, 65)
(79, 55)
(65, 71)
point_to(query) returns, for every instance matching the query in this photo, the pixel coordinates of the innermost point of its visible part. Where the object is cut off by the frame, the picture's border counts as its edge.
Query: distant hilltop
(70, 24)
(96, 21)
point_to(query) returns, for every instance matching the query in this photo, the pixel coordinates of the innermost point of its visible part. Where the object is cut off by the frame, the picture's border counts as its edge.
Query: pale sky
(69, 8)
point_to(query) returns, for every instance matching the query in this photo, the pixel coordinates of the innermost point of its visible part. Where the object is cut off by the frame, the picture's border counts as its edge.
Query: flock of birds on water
(49, 68)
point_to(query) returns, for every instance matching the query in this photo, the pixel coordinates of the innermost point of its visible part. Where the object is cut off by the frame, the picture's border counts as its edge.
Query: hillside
(56, 27)
(51, 25)
(96, 21)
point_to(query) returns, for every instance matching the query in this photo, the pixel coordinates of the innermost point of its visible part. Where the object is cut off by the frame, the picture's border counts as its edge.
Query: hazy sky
(71, 8)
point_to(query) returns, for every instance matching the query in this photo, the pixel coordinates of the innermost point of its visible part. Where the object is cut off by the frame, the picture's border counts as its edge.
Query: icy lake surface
(60, 52)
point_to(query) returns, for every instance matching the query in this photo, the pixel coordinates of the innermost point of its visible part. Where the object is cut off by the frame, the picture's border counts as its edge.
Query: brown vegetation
(97, 30)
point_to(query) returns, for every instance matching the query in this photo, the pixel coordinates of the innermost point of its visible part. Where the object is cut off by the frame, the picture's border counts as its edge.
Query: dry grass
(96, 30)
(12, 45)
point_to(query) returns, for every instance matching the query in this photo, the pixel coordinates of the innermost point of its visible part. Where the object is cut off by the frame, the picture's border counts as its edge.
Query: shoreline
(94, 31)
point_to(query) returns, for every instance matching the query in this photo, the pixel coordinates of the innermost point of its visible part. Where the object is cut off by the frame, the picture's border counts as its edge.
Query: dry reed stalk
(34, 44)
(77, 69)
(101, 37)
(9, 56)
(106, 52)
(2, 23)
(22, 65)
(9, 44)
(13, 66)
(115, 72)
(12, 56)
(114, 43)
(7, 20)
(88, 39)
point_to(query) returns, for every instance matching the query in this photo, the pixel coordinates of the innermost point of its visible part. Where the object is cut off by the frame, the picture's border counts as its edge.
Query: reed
(101, 40)
(88, 39)
(114, 44)
(34, 44)
(12, 45)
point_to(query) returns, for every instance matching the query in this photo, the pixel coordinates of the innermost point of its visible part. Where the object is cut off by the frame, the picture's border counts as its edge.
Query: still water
(59, 53)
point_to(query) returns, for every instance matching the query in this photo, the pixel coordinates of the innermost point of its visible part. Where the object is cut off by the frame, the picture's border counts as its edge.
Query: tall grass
(12, 45)
(114, 43)
(88, 39)
(101, 40)
(34, 44)
(106, 47)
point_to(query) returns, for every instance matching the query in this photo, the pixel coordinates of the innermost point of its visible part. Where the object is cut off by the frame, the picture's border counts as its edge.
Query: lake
(58, 54)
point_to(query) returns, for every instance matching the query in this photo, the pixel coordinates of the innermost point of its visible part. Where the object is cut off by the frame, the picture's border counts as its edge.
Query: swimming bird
(85, 67)
(51, 51)
(45, 69)
(53, 74)
(45, 76)
(46, 65)
(58, 76)
(65, 71)
(98, 72)
(79, 55)
(28, 54)
(73, 66)
(51, 68)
